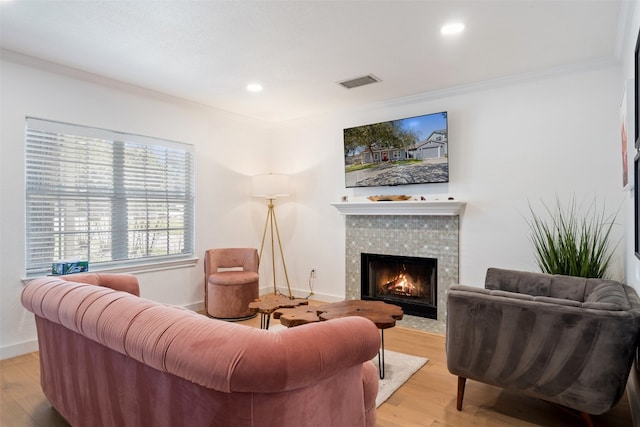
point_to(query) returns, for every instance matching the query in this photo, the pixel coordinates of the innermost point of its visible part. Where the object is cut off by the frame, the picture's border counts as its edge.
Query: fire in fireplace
(410, 282)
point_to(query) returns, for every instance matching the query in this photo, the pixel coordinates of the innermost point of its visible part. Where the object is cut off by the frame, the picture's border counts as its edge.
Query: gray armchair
(566, 340)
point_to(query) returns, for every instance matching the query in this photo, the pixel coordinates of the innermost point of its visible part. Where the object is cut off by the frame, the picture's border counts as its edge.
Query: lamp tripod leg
(270, 223)
(284, 266)
(273, 254)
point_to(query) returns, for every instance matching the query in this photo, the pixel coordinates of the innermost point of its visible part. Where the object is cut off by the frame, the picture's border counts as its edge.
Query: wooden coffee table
(382, 314)
(267, 304)
(296, 316)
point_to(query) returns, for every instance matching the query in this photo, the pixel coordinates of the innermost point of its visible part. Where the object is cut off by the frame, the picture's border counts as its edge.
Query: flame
(401, 286)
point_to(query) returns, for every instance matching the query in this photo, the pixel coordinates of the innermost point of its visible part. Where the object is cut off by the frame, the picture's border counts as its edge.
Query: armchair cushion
(233, 277)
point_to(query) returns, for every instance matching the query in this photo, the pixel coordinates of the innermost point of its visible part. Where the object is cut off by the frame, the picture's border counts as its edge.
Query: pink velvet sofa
(111, 358)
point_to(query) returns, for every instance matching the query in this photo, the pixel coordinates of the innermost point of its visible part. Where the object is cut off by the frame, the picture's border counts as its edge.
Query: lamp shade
(270, 186)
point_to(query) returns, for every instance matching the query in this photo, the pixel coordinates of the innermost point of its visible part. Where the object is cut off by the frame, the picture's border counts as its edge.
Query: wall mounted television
(413, 150)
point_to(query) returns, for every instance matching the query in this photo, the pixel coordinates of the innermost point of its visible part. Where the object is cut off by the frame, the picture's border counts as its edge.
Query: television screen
(414, 150)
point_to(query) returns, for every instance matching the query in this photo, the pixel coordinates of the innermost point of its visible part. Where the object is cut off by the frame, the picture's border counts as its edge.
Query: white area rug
(398, 368)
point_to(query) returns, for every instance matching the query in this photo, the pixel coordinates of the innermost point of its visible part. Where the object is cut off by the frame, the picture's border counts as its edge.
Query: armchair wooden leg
(588, 421)
(461, 383)
(586, 417)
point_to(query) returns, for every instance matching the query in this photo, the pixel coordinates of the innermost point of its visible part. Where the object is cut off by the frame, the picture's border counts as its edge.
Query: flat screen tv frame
(412, 150)
(636, 199)
(636, 161)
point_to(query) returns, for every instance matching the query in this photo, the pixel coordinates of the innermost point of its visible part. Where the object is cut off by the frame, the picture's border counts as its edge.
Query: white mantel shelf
(409, 207)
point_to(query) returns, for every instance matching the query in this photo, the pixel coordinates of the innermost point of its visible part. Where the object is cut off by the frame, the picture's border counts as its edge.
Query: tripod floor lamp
(272, 186)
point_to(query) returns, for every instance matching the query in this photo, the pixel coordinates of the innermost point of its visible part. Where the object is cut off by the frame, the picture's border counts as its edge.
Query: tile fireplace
(408, 229)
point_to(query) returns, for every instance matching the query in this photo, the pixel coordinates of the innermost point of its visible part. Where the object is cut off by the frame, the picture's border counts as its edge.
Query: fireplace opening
(409, 282)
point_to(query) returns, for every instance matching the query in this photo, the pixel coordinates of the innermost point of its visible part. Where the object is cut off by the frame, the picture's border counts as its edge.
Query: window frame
(163, 185)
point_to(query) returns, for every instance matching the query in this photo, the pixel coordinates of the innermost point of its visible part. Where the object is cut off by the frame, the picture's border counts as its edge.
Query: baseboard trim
(13, 350)
(195, 306)
(299, 293)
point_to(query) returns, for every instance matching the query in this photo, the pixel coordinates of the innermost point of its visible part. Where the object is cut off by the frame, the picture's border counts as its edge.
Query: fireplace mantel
(409, 207)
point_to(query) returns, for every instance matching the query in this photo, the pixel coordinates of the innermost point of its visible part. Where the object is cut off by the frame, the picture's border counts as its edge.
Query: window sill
(139, 269)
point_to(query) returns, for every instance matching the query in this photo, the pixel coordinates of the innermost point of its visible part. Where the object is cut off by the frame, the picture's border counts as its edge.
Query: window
(110, 198)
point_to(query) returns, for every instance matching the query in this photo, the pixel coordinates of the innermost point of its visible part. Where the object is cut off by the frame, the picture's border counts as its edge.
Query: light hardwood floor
(427, 399)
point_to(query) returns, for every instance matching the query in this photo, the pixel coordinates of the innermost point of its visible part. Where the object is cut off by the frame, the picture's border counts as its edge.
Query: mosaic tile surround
(405, 235)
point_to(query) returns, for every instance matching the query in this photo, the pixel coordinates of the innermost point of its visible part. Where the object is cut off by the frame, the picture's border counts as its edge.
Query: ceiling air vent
(359, 81)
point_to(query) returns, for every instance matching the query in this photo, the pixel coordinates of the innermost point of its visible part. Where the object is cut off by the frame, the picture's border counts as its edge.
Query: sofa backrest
(550, 285)
(219, 355)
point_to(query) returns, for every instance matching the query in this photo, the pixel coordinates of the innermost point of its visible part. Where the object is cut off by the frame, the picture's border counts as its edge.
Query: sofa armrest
(119, 282)
(545, 347)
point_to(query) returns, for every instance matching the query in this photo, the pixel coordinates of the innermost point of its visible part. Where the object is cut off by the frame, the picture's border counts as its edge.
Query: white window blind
(107, 197)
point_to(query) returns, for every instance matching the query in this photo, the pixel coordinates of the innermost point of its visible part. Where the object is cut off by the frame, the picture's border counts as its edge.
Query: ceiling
(208, 51)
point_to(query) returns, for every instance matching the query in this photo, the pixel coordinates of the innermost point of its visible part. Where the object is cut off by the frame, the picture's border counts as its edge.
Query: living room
(515, 141)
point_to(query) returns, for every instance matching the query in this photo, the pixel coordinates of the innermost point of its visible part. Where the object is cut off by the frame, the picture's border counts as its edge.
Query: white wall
(511, 143)
(228, 149)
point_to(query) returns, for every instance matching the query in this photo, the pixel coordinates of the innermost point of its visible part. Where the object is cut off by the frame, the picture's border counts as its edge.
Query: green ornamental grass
(572, 244)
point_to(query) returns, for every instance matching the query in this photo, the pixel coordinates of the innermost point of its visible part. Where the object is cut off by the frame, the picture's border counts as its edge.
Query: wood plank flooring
(426, 400)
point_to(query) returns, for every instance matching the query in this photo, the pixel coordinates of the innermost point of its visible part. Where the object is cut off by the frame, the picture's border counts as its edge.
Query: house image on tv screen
(413, 150)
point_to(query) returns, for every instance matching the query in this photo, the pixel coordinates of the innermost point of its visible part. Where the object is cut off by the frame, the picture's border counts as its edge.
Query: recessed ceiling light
(452, 28)
(254, 87)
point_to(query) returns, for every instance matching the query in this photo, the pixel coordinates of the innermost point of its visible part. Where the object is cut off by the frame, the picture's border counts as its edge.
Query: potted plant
(572, 243)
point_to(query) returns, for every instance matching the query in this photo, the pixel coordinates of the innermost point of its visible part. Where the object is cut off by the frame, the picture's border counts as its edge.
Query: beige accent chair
(230, 282)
